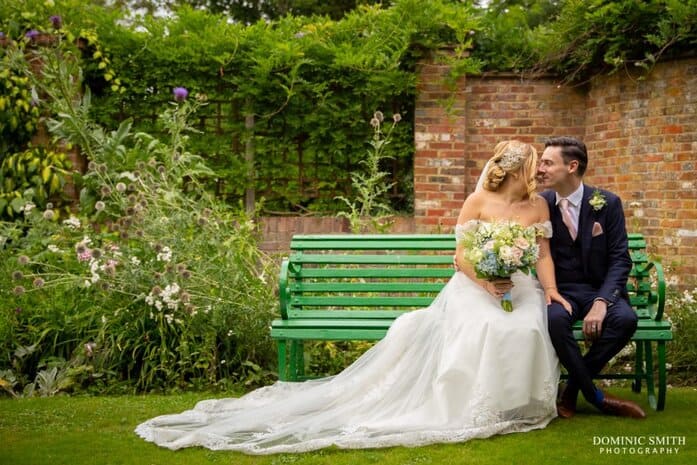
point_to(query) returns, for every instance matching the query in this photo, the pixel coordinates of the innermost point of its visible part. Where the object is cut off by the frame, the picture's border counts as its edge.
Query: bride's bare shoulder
(539, 204)
(472, 206)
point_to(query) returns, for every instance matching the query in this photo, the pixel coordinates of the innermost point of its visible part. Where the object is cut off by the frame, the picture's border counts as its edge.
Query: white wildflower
(169, 296)
(53, 248)
(72, 222)
(29, 206)
(128, 175)
(135, 260)
(165, 255)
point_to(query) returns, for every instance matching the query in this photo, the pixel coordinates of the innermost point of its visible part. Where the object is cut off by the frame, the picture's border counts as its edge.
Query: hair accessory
(514, 156)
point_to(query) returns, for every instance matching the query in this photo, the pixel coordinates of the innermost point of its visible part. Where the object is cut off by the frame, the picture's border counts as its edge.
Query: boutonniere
(597, 200)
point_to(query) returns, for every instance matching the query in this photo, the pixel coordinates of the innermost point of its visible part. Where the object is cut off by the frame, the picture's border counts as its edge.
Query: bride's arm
(545, 266)
(470, 211)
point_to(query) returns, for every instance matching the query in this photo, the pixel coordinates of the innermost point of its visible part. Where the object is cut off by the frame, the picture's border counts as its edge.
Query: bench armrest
(658, 298)
(283, 290)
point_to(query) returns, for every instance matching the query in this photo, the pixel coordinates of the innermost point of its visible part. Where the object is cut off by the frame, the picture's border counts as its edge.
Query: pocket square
(597, 229)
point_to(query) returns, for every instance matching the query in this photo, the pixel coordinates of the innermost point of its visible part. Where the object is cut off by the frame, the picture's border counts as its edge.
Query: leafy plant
(682, 351)
(153, 283)
(594, 37)
(36, 175)
(19, 112)
(368, 211)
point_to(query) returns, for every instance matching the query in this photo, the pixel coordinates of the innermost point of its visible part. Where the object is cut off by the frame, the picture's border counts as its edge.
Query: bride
(462, 368)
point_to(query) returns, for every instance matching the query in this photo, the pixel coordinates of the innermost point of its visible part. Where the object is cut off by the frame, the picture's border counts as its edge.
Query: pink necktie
(566, 217)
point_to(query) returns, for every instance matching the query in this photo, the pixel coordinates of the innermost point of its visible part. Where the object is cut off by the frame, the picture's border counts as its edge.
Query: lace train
(460, 369)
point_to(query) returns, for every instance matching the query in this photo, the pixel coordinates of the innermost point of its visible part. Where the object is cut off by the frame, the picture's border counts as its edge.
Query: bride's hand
(498, 287)
(552, 294)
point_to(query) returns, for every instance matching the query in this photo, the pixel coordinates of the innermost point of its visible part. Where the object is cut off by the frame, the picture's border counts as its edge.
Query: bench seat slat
(335, 322)
(343, 314)
(329, 334)
(331, 314)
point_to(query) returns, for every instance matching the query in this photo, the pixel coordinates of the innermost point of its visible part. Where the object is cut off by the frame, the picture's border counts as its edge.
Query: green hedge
(312, 83)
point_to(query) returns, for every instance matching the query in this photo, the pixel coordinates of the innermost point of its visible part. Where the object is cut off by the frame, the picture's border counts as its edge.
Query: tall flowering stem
(367, 211)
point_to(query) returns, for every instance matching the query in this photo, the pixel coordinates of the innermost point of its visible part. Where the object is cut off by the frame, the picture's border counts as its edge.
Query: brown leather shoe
(566, 404)
(623, 408)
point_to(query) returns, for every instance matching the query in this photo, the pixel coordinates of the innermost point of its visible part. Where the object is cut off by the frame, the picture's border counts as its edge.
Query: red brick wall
(642, 136)
(277, 231)
(439, 162)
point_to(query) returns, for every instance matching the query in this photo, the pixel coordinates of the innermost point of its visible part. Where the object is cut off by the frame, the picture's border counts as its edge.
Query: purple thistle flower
(57, 21)
(180, 94)
(32, 34)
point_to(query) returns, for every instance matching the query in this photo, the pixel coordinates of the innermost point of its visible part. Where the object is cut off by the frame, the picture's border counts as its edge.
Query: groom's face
(551, 171)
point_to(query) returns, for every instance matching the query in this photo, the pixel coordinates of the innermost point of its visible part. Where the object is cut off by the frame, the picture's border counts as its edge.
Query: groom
(592, 263)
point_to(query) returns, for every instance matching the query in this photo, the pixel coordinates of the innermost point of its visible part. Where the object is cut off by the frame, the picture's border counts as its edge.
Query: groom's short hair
(571, 149)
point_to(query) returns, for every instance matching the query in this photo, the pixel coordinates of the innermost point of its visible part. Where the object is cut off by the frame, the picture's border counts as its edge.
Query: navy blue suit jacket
(605, 256)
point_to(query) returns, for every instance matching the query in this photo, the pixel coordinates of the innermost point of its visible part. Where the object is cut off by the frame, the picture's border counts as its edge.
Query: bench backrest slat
(381, 259)
(364, 272)
(357, 301)
(374, 242)
(363, 287)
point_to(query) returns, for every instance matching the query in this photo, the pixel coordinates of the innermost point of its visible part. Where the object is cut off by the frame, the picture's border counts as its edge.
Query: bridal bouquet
(499, 249)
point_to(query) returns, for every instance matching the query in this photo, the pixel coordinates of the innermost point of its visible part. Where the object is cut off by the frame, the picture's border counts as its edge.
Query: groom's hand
(593, 322)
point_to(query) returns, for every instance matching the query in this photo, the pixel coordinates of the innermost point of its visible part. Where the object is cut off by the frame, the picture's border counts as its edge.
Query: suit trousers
(617, 329)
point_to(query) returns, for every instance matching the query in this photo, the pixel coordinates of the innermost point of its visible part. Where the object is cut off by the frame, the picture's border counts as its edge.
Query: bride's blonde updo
(509, 157)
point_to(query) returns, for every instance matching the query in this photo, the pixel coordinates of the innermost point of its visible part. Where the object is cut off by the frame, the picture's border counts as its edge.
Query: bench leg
(300, 359)
(282, 367)
(292, 365)
(639, 373)
(661, 347)
(649, 374)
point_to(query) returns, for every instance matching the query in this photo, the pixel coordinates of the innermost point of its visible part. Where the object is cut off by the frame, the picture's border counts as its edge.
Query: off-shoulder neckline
(478, 221)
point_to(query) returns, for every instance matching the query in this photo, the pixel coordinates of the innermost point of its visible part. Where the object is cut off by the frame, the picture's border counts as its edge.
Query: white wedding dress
(462, 368)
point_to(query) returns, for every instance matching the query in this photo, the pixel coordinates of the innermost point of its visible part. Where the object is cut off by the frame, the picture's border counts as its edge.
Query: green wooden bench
(352, 287)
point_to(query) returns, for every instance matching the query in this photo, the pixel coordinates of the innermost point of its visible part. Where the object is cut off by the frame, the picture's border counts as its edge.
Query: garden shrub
(153, 284)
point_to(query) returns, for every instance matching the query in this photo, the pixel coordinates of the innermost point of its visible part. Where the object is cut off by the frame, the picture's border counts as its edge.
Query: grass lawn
(99, 430)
